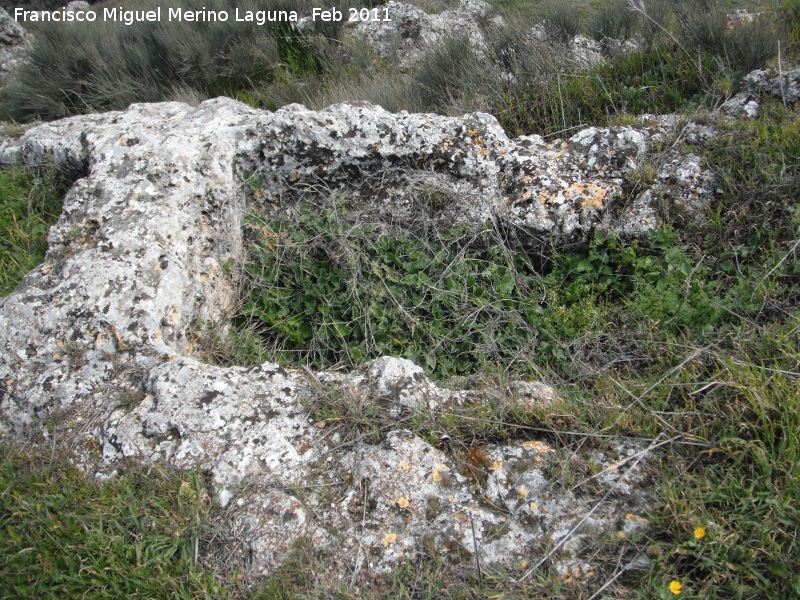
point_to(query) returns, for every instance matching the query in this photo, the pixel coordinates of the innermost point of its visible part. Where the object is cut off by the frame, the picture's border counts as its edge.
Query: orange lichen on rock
(593, 194)
(590, 195)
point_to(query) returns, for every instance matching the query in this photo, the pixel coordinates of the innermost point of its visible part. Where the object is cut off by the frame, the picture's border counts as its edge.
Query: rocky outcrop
(411, 31)
(562, 189)
(13, 41)
(100, 338)
(764, 82)
(77, 5)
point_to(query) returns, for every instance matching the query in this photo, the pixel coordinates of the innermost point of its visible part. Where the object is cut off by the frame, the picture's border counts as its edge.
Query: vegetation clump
(30, 201)
(75, 68)
(686, 52)
(329, 289)
(64, 535)
(614, 20)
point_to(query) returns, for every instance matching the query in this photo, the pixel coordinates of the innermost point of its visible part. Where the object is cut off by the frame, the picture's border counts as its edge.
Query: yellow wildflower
(700, 533)
(675, 587)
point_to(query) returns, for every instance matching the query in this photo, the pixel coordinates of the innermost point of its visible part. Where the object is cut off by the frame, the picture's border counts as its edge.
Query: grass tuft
(63, 535)
(561, 20)
(87, 67)
(614, 20)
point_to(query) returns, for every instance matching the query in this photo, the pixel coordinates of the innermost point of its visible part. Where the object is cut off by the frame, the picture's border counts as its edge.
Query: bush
(79, 68)
(513, 50)
(451, 76)
(392, 91)
(655, 18)
(656, 80)
(748, 46)
(561, 20)
(743, 46)
(614, 20)
(702, 24)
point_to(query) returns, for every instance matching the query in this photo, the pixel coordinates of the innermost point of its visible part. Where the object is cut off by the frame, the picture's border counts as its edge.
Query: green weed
(789, 12)
(742, 491)
(328, 289)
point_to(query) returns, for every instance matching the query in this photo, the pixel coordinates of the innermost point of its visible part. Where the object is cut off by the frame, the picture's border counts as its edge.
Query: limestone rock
(761, 82)
(586, 52)
(740, 17)
(411, 30)
(742, 104)
(13, 41)
(100, 339)
(11, 32)
(78, 5)
(784, 86)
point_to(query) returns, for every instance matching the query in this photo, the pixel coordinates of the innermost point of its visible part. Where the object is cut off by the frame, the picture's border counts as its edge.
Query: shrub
(392, 91)
(451, 76)
(748, 46)
(561, 20)
(348, 70)
(78, 68)
(702, 24)
(513, 50)
(743, 46)
(655, 21)
(614, 20)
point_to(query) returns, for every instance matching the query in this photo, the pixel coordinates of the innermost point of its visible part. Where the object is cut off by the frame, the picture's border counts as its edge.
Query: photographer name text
(159, 14)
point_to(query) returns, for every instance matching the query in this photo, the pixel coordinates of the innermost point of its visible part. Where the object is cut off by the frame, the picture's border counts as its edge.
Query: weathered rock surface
(78, 5)
(764, 82)
(11, 32)
(13, 41)
(561, 188)
(100, 337)
(411, 30)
